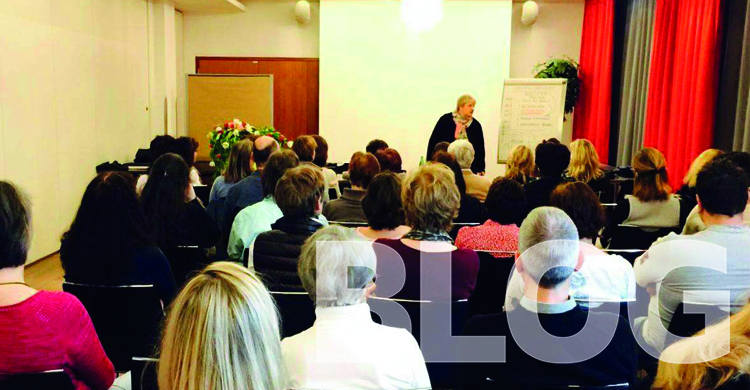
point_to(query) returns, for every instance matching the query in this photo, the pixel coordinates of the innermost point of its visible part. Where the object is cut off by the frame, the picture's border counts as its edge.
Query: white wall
(380, 79)
(73, 94)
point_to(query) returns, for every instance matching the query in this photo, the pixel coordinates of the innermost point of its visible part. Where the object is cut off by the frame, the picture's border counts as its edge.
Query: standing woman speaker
(461, 124)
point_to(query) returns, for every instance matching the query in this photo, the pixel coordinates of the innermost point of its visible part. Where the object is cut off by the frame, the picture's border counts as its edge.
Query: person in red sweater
(41, 330)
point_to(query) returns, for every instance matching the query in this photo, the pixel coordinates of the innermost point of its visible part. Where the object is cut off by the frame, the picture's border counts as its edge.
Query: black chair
(185, 261)
(297, 312)
(492, 282)
(689, 319)
(216, 209)
(349, 224)
(332, 194)
(636, 237)
(52, 379)
(202, 192)
(492, 385)
(143, 374)
(628, 254)
(127, 319)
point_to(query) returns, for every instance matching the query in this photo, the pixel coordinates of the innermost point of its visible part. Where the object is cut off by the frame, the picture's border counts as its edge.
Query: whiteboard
(532, 111)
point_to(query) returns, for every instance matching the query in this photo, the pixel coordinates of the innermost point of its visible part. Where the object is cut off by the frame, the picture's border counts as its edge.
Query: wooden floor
(45, 274)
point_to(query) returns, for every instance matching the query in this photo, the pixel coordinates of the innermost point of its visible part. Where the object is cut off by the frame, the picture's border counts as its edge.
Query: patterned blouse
(491, 236)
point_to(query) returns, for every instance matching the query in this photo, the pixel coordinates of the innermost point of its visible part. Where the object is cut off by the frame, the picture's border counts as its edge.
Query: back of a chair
(202, 192)
(143, 374)
(52, 379)
(628, 254)
(332, 194)
(492, 385)
(348, 224)
(127, 319)
(185, 261)
(216, 209)
(690, 318)
(492, 282)
(297, 312)
(635, 237)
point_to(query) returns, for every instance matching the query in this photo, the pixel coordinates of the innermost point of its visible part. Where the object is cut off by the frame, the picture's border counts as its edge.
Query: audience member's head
(305, 147)
(389, 160)
(722, 188)
(584, 161)
(382, 203)
(375, 145)
(520, 165)
(161, 144)
(276, 167)
(15, 226)
(463, 151)
(651, 180)
(704, 158)
(430, 198)
(552, 159)
(362, 168)
(164, 195)
(740, 159)
(439, 147)
(335, 269)
(187, 148)
(548, 243)
(582, 205)
(321, 151)
(108, 226)
(506, 202)
(263, 147)
(449, 161)
(240, 161)
(299, 192)
(222, 333)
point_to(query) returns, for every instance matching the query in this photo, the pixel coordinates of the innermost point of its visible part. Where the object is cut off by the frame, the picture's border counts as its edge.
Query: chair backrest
(127, 319)
(635, 237)
(143, 374)
(52, 379)
(185, 261)
(217, 210)
(492, 282)
(332, 194)
(202, 192)
(628, 254)
(297, 311)
(690, 318)
(347, 224)
(492, 385)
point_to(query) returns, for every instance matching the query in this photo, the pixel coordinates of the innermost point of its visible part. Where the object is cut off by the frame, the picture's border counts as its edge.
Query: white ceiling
(209, 6)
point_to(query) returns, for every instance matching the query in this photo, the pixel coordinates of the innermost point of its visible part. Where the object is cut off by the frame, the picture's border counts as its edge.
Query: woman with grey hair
(460, 124)
(476, 186)
(345, 349)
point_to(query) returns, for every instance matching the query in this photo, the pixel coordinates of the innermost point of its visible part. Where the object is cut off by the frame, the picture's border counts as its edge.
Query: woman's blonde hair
(711, 373)
(464, 100)
(221, 333)
(520, 164)
(430, 198)
(584, 161)
(651, 180)
(704, 158)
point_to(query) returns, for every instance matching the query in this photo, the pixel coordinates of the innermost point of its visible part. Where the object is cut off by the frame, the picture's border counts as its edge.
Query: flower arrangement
(222, 138)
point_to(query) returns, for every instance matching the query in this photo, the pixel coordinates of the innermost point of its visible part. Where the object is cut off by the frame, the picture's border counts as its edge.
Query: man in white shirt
(345, 349)
(476, 186)
(714, 260)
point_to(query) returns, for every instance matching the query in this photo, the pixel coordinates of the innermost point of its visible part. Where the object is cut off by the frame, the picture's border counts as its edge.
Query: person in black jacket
(552, 160)
(460, 124)
(299, 195)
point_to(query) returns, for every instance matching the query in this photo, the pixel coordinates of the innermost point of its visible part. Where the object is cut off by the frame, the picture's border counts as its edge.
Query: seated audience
(520, 165)
(345, 349)
(600, 277)
(239, 166)
(108, 242)
(471, 209)
(549, 242)
(431, 199)
(476, 186)
(652, 204)
(584, 167)
(693, 223)
(299, 195)
(722, 197)
(687, 191)
(175, 215)
(41, 330)
(348, 208)
(187, 148)
(552, 159)
(439, 147)
(305, 147)
(383, 208)
(321, 160)
(389, 160)
(697, 372)
(249, 190)
(222, 333)
(161, 144)
(256, 219)
(506, 207)
(375, 145)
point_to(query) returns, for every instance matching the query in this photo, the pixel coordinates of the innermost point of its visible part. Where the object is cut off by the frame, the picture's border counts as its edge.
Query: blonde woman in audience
(730, 369)
(652, 204)
(345, 349)
(222, 333)
(687, 191)
(584, 167)
(520, 165)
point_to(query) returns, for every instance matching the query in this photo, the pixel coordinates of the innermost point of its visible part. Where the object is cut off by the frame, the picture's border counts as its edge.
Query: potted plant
(562, 68)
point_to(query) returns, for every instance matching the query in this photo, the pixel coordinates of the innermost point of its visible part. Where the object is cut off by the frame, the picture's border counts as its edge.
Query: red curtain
(592, 113)
(683, 82)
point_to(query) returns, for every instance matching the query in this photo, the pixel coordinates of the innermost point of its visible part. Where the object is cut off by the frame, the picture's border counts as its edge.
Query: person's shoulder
(487, 324)
(61, 303)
